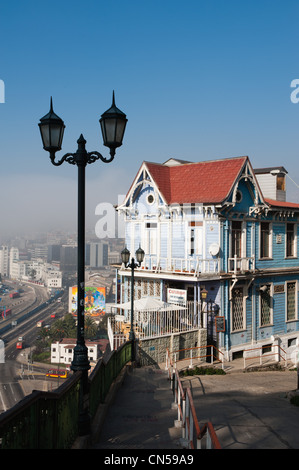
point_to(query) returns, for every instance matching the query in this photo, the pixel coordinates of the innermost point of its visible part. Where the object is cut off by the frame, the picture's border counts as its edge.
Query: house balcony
(192, 266)
(196, 266)
(241, 265)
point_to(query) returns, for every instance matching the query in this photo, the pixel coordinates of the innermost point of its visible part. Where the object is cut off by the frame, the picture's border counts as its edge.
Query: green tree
(70, 326)
(57, 331)
(63, 328)
(90, 328)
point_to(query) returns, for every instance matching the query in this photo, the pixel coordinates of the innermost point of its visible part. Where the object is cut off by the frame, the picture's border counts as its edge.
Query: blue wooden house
(219, 238)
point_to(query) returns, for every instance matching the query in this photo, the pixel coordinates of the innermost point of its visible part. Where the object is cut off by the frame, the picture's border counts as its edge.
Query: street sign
(220, 324)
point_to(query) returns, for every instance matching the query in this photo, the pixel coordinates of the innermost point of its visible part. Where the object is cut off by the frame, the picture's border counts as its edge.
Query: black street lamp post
(125, 257)
(113, 123)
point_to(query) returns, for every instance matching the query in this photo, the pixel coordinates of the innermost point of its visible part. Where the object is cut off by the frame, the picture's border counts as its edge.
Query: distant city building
(96, 254)
(51, 276)
(4, 266)
(114, 257)
(53, 253)
(13, 257)
(68, 258)
(62, 351)
(39, 251)
(36, 270)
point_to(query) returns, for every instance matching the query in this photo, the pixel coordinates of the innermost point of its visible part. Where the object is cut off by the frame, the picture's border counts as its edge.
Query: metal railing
(191, 266)
(43, 420)
(49, 420)
(151, 323)
(242, 265)
(191, 354)
(104, 373)
(194, 436)
(262, 353)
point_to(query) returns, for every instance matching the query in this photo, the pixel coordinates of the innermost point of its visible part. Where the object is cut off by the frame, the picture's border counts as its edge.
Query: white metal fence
(155, 322)
(150, 323)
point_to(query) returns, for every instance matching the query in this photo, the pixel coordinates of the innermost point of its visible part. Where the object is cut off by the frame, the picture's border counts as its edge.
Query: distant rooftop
(259, 171)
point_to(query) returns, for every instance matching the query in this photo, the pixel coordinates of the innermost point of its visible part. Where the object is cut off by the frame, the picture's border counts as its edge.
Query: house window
(195, 238)
(151, 238)
(192, 242)
(237, 310)
(236, 239)
(265, 240)
(265, 302)
(290, 240)
(280, 183)
(291, 301)
(239, 196)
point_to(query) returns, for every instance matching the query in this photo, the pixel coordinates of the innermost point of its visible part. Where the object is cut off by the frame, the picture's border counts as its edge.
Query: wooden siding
(267, 183)
(278, 259)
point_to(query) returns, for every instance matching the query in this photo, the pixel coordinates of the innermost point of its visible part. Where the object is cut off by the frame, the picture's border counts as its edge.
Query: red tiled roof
(202, 182)
(282, 204)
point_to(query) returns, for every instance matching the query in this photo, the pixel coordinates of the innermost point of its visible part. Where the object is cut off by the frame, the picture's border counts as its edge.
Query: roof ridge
(242, 157)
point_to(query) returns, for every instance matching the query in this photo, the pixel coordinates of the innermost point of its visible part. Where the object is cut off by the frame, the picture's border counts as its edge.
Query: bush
(202, 371)
(42, 356)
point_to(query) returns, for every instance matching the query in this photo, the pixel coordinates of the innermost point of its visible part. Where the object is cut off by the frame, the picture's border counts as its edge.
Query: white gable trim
(247, 174)
(142, 178)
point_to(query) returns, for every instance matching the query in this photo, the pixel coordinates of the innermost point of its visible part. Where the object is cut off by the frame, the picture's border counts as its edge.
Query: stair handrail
(192, 434)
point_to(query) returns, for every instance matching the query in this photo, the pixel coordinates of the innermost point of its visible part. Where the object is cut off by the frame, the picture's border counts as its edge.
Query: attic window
(238, 196)
(150, 199)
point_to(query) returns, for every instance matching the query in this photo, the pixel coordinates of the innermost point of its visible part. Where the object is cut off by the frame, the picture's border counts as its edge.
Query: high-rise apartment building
(97, 254)
(4, 266)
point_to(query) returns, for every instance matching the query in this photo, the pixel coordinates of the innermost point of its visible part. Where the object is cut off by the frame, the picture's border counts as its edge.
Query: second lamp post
(125, 257)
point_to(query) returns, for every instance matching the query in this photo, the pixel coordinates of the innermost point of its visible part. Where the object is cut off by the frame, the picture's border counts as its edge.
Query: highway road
(12, 371)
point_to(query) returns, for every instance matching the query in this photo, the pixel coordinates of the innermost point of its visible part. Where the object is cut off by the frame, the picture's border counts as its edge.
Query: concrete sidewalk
(248, 410)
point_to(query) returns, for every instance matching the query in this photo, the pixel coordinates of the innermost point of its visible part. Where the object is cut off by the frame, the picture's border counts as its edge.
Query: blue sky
(198, 80)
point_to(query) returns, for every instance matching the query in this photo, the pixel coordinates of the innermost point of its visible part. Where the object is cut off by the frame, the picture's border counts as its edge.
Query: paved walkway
(248, 410)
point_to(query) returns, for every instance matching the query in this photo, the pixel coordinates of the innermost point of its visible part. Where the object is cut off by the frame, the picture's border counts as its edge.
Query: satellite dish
(214, 249)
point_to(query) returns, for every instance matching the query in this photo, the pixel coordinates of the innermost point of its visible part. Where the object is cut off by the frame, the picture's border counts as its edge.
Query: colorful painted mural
(95, 301)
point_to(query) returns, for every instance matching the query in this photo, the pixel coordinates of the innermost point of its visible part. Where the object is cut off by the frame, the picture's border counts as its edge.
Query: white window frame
(295, 241)
(243, 238)
(286, 300)
(271, 306)
(270, 240)
(244, 296)
(197, 242)
(151, 238)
